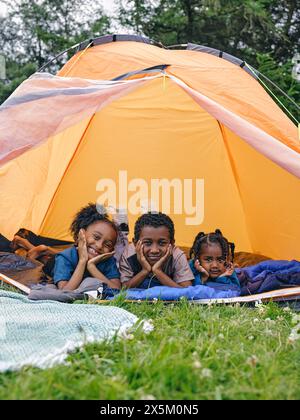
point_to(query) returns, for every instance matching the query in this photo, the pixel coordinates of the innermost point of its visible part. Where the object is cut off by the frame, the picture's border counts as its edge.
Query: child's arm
(202, 271)
(92, 268)
(136, 280)
(182, 277)
(167, 281)
(162, 277)
(143, 274)
(77, 276)
(229, 270)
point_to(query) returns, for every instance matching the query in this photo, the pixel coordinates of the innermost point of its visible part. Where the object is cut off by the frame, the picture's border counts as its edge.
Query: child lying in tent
(90, 264)
(212, 261)
(92, 256)
(153, 259)
(212, 265)
(37, 247)
(28, 257)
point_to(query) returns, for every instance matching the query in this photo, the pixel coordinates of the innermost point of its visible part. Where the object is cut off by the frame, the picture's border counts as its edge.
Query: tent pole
(14, 283)
(56, 57)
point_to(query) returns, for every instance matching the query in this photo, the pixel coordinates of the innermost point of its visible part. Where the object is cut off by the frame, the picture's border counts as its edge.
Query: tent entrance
(156, 132)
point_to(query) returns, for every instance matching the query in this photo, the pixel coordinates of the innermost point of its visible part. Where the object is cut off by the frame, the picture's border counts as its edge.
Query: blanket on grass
(42, 334)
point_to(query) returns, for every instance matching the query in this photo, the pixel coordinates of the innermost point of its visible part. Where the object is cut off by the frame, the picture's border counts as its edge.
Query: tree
(281, 75)
(33, 32)
(264, 33)
(240, 28)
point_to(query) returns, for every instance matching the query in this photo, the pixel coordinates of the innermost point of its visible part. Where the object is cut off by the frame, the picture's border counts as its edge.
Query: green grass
(194, 352)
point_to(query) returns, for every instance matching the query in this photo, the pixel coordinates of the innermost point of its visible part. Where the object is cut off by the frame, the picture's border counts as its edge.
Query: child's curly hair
(155, 220)
(89, 215)
(212, 238)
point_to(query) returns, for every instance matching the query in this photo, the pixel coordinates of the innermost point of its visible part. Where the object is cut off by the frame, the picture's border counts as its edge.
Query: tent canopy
(195, 116)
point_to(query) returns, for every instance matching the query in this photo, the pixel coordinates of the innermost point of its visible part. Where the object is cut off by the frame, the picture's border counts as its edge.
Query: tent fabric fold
(46, 105)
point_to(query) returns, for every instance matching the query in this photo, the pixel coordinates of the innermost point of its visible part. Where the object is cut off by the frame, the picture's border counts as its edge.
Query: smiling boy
(153, 259)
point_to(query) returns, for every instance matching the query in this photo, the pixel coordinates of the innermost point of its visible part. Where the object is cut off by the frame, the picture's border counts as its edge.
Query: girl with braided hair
(92, 256)
(212, 260)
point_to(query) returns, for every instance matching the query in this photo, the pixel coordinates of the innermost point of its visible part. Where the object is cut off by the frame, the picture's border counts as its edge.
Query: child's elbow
(117, 284)
(62, 285)
(186, 284)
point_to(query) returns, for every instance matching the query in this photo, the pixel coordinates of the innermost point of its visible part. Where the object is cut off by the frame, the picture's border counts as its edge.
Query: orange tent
(190, 117)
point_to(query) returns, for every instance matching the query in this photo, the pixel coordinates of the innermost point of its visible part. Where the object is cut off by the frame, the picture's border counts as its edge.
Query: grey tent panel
(136, 38)
(221, 54)
(115, 38)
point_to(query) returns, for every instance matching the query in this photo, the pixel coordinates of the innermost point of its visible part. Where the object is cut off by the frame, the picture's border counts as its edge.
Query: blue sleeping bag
(218, 291)
(269, 275)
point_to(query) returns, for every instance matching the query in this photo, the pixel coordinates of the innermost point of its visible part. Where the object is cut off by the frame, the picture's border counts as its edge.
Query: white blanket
(42, 334)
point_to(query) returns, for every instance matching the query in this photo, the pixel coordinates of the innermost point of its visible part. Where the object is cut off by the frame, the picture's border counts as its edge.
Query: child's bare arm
(164, 278)
(144, 273)
(78, 274)
(76, 278)
(167, 281)
(92, 268)
(202, 271)
(229, 270)
(113, 283)
(141, 257)
(136, 280)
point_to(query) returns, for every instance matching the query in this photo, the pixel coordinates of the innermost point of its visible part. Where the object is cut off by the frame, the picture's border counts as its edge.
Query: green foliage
(17, 74)
(264, 33)
(240, 28)
(281, 75)
(39, 29)
(33, 32)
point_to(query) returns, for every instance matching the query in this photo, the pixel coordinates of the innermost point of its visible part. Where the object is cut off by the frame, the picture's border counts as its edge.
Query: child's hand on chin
(141, 257)
(158, 265)
(200, 269)
(82, 247)
(229, 270)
